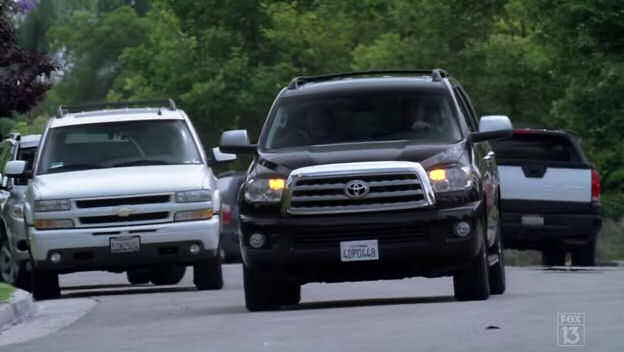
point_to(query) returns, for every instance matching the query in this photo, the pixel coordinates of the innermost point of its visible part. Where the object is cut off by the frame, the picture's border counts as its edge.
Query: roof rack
(436, 75)
(14, 135)
(64, 109)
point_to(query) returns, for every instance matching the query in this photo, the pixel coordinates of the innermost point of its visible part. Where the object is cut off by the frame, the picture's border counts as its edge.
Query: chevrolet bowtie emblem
(124, 211)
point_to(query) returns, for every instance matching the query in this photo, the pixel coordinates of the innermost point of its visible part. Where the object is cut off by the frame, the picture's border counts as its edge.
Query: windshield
(119, 144)
(428, 118)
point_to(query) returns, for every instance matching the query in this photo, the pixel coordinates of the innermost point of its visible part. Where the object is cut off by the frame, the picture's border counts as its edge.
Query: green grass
(5, 292)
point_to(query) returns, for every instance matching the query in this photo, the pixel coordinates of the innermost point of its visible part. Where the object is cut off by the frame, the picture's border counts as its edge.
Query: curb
(19, 306)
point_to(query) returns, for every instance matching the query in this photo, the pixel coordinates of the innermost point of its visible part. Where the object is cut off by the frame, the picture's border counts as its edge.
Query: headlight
(264, 190)
(52, 205)
(450, 179)
(17, 211)
(193, 215)
(204, 195)
(43, 224)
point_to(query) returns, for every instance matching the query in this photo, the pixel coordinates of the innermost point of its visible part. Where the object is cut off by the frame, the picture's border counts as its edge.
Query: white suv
(127, 189)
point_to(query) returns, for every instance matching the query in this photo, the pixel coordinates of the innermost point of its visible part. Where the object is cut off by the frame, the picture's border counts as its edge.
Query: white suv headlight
(204, 195)
(264, 190)
(450, 179)
(52, 205)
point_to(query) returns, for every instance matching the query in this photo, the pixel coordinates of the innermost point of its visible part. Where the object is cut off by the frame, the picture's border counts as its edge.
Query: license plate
(532, 220)
(125, 244)
(359, 250)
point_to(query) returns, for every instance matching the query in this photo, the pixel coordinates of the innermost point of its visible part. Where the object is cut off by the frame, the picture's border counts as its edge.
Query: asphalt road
(401, 315)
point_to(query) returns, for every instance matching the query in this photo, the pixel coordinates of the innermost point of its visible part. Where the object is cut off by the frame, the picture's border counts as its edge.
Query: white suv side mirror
(14, 168)
(220, 156)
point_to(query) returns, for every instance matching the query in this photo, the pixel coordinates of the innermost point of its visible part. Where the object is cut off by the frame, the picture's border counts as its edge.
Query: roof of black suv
(366, 80)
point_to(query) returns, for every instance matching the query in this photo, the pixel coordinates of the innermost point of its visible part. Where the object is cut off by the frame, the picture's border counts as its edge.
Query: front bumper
(88, 248)
(411, 243)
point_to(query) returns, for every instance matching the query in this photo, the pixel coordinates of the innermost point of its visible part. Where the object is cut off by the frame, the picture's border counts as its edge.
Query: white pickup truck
(550, 196)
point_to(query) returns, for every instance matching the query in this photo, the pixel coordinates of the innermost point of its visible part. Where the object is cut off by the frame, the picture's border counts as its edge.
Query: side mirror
(15, 168)
(221, 157)
(492, 127)
(236, 142)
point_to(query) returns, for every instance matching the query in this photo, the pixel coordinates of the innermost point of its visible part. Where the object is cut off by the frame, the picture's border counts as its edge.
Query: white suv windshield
(120, 144)
(427, 118)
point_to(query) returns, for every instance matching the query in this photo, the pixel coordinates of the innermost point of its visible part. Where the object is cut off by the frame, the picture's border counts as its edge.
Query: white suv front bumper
(69, 242)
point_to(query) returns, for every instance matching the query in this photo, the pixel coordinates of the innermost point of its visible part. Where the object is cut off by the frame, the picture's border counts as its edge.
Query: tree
(23, 72)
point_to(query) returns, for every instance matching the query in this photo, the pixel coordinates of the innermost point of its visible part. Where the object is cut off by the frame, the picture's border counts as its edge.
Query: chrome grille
(139, 209)
(389, 186)
(116, 201)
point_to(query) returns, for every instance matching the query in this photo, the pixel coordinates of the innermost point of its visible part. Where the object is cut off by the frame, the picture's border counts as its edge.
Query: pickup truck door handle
(489, 156)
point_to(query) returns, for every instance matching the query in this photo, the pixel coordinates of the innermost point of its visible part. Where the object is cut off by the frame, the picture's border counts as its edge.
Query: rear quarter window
(536, 147)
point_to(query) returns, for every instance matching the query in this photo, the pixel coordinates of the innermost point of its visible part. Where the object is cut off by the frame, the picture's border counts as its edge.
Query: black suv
(370, 175)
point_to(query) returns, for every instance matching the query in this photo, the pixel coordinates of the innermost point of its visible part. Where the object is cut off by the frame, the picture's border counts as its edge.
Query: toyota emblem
(356, 189)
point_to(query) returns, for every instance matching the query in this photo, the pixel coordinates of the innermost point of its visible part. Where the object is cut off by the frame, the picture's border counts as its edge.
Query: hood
(428, 155)
(121, 181)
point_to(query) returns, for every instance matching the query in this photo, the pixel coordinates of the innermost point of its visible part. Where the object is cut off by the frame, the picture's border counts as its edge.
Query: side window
(472, 116)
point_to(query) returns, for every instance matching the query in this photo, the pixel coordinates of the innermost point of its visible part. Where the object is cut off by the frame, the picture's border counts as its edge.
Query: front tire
(471, 283)
(497, 271)
(138, 276)
(208, 274)
(167, 275)
(585, 255)
(45, 285)
(263, 293)
(11, 271)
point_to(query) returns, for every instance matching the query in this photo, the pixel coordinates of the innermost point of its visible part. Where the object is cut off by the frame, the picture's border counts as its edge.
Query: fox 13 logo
(570, 329)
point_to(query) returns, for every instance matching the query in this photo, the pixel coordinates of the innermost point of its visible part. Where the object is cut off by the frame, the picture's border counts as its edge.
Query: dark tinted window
(28, 155)
(536, 147)
(467, 111)
(425, 117)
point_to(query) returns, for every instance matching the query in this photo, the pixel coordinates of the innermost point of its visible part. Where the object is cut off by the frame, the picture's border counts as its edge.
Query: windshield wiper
(73, 167)
(141, 162)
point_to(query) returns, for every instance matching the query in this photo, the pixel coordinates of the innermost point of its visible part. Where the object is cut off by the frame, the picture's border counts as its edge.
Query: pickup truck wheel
(208, 274)
(553, 256)
(266, 293)
(167, 275)
(585, 255)
(45, 285)
(497, 271)
(471, 283)
(138, 276)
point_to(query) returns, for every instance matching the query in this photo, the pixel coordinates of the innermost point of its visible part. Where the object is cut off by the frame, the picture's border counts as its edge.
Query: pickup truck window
(118, 144)
(427, 118)
(535, 147)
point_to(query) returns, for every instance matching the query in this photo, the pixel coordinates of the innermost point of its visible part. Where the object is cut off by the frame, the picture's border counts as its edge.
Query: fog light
(462, 229)
(194, 249)
(55, 258)
(257, 240)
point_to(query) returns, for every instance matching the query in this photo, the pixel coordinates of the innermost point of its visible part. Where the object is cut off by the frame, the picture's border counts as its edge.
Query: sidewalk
(18, 307)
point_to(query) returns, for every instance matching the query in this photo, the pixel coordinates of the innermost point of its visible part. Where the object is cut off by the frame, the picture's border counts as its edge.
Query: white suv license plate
(532, 220)
(125, 244)
(351, 251)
